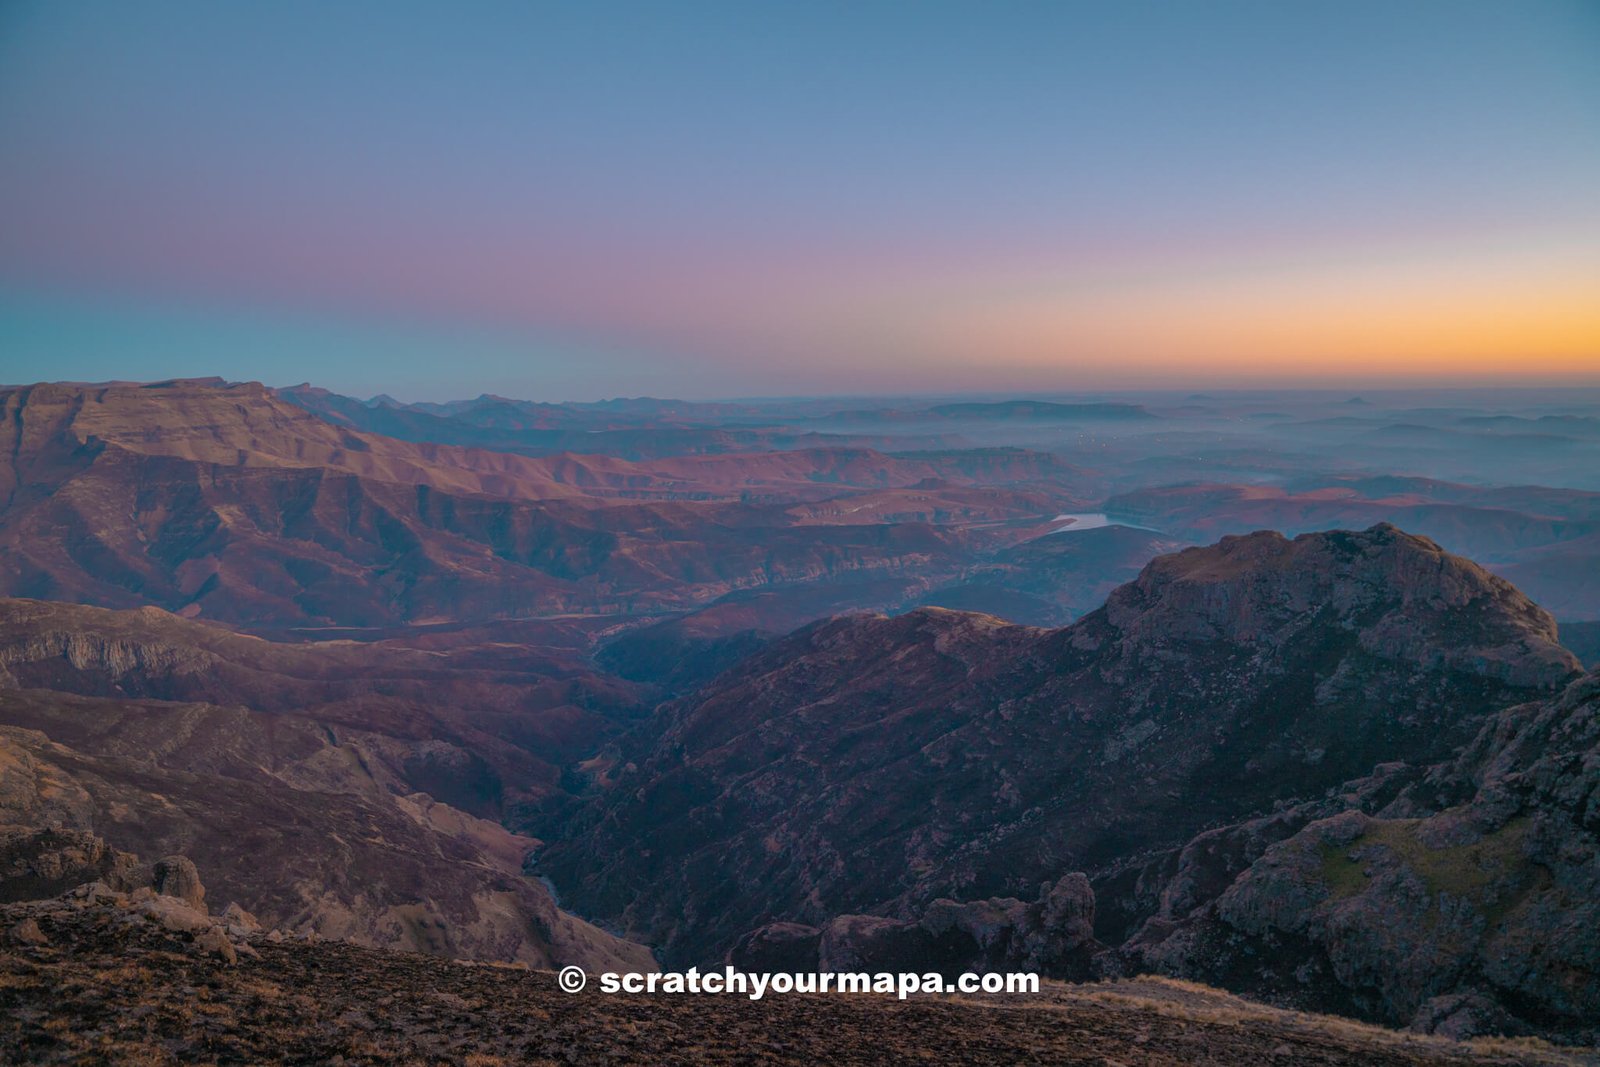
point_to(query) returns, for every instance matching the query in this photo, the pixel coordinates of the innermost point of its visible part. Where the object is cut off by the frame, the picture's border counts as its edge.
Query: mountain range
(936, 684)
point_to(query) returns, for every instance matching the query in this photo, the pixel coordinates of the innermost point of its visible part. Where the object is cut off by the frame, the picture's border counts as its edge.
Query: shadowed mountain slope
(870, 764)
(290, 825)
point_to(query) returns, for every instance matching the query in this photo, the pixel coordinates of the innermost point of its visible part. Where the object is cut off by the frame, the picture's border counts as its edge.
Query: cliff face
(872, 764)
(1464, 897)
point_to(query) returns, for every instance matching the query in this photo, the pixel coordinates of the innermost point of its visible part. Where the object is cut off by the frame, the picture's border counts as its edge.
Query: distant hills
(225, 502)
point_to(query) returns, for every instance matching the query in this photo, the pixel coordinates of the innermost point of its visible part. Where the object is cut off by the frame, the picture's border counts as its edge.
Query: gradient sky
(698, 199)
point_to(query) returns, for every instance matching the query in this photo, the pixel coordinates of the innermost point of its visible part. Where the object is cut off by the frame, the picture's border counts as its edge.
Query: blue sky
(599, 199)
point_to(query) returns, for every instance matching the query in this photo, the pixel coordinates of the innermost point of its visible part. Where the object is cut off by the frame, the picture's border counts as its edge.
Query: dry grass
(1180, 999)
(310, 1003)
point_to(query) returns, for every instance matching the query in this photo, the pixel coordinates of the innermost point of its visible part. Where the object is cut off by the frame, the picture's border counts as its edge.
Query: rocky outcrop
(1469, 902)
(80, 870)
(38, 862)
(871, 765)
(178, 916)
(1459, 1016)
(1053, 936)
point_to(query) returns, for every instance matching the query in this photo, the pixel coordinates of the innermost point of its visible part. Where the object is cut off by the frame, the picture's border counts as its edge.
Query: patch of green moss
(1460, 870)
(1344, 876)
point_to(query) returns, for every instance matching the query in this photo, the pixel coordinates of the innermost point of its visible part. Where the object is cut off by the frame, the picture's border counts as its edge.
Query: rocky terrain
(873, 764)
(479, 723)
(1052, 935)
(348, 789)
(376, 868)
(1444, 879)
(1462, 897)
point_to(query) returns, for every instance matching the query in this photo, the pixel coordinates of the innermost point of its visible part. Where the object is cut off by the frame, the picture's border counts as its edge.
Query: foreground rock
(1053, 935)
(166, 896)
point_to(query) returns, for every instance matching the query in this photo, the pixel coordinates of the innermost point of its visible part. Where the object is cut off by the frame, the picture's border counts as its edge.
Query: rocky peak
(1407, 597)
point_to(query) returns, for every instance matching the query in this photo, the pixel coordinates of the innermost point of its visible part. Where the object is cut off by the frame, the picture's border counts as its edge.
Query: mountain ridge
(871, 762)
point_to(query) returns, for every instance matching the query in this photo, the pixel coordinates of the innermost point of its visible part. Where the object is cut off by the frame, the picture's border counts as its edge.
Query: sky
(584, 200)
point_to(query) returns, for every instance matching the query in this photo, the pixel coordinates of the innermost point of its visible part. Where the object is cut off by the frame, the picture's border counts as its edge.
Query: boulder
(213, 941)
(1459, 1016)
(238, 921)
(175, 915)
(790, 948)
(1053, 935)
(176, 876)
(27, 932)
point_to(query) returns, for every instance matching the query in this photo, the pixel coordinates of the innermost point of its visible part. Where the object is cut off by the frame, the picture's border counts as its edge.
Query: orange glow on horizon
(1526, 313)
